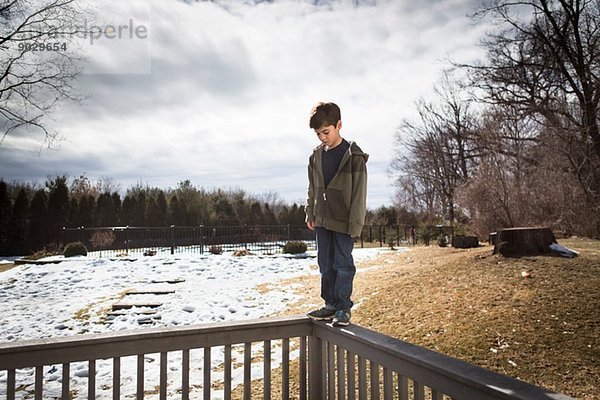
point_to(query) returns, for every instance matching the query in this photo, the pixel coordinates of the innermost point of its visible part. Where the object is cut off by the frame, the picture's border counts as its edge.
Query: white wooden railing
(333, 363)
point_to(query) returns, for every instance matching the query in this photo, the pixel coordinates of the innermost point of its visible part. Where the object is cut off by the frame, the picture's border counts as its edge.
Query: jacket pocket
(335, 205)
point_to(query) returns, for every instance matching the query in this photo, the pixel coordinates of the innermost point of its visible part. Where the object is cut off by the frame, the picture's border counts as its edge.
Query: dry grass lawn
(470, 304)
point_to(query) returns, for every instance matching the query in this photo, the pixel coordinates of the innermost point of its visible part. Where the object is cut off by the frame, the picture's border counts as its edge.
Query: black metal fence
(127, 240)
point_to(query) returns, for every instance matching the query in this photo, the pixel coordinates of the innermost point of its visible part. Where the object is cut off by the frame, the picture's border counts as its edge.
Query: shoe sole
(335, 323)
(320, 318)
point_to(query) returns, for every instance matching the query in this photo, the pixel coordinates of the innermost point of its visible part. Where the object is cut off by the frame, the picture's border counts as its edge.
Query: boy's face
(329, 135)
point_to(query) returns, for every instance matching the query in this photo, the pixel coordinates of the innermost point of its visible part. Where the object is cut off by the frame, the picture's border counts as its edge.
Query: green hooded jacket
(341, 207)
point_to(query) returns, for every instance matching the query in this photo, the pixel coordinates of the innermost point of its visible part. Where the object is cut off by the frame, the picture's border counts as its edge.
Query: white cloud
(231, 86)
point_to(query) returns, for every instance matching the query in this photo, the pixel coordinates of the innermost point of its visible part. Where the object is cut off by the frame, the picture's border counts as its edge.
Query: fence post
(315, 368)
(127, 239)
(172, 239)
(201, 229)
(381, 238)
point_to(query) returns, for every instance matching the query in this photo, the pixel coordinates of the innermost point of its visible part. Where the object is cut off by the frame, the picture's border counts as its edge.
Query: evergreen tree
(86, 211)
(105, 210)
(177, 212)
(58, 204)
(38, 221)
(5, 211)
(222, 210)
(241, 208)
(285, 217)
(116, 199)
(139, 216)
(73, 220)
(152, 213)
(269, 217)
(256, 214)
(128, 210)
(161, 205)
(17, 225)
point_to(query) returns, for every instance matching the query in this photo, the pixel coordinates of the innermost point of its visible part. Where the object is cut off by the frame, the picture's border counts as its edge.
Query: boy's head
(324, 114)
(325, 119)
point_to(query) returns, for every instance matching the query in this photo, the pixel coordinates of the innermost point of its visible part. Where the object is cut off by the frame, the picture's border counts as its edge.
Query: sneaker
(341, 318)
(322, 314)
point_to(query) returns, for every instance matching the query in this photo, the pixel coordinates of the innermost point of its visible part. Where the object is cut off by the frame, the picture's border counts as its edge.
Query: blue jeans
(336, 265)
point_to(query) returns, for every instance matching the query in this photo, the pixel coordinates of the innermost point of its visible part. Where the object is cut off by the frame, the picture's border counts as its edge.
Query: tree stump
(524, 241)
(465, 242)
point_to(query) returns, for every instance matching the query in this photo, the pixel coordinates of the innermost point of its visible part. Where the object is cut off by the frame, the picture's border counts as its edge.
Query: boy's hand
(310, 225)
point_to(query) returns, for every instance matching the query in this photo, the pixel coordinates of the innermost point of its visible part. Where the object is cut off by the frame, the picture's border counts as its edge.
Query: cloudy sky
(220, 92)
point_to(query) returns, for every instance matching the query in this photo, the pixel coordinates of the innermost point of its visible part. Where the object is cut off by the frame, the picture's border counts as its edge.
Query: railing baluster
(267, 370)
(10, 385)
(227, 372)
(402, 387)
(435, 395)
(116, 378)
(92, 380)
(315, 368)
(341, 374)
(185, 374)
(419, 391)
(362, 378)
(140, 377)
(374, 380)
(302, 368)
(330, 371)
(66, 380)
(247, 370)
(163, 376)
(207, 373)
(388, 383)
(39, 382)
(351, 368)
(324, 368)
(285, 367)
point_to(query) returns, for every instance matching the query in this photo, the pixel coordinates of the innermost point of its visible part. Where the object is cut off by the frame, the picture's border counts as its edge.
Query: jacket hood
(357, 151)
(354, 149)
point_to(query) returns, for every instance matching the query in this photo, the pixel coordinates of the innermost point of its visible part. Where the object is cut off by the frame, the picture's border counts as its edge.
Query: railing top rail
(452, 376)
(48, 351)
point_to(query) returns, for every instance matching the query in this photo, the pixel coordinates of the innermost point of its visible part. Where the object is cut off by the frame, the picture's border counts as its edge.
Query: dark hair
(324, 114)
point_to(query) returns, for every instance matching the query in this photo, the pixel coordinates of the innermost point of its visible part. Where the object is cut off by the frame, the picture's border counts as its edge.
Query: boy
(335, 210)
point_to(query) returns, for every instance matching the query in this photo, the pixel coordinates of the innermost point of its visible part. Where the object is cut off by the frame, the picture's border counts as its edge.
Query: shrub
(214, 249)
(75, 249)
(295, 247)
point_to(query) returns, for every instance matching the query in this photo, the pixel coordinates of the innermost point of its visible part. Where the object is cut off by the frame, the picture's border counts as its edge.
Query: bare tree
(437, 153)
(544, 62)
(497, 191)
(38, 62)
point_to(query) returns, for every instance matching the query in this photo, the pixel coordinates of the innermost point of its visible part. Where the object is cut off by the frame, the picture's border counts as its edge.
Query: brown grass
(6, 267)
(470, 304)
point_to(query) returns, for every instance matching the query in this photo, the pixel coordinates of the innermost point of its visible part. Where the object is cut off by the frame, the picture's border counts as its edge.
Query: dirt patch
(6, 266)
(533, 318)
